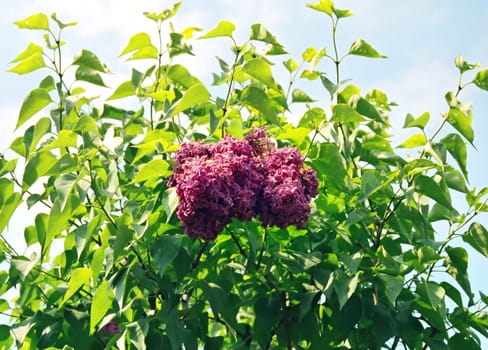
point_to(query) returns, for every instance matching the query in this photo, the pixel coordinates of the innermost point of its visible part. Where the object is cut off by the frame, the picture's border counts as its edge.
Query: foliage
(380, 262)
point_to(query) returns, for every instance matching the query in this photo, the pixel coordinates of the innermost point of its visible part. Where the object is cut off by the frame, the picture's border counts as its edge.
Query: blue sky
(420, 38)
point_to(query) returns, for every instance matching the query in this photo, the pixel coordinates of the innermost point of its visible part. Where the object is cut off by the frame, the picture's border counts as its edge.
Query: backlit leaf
(155, 168)
(195, 95)
(257, 98)
(30, 64)
(89, 75)
(344, 113)
(481, 79)
(33, 103)
(141, 46)
(179, 74)
(414, 141)
(362, 48)
(37, 21)
(477, 237)
(100, 305)
(420, 122)
(79, 278)
(36, 167)
(88, 59)
(462, 123)
(298, 95)
(457, 267)
(125, 89)
(428, 187)
(457, 148)
(260, 33)
(32, 49)
(260, 70)
(324, 6)
(8, 208)
(224, 28)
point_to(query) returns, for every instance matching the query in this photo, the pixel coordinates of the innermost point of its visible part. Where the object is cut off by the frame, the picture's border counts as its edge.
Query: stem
(200, 251)
(158, 73)
(229, 90)
(97, 195)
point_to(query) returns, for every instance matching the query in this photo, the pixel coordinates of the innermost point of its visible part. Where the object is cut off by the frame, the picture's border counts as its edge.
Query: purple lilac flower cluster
(241, 179)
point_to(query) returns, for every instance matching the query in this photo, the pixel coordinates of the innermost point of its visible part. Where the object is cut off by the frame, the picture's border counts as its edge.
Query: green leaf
(36, 167)
(260, 70)
(413, 141)
(291, 65)
(455, 180)
(345, 287)
(369, 184)
(125, 89)
(420, 122)
(165, 250)
(329, 85)
(141, 47)
(341, 13)
(257, 98)
(462, 123)
(481, 79)
(164, 14)
(477, 237)
(7, 166)
(298, 95)
(343, 113)
(439, 212)
(464, 66)
(89, 60)
(324, 6)
(37, 21)
(100, 305)
(267, 311)
(457, 267)
(328, 163)
(79, 278)
(20, 330)
(195, 95)
(313, 118)
(457, 148)
(180, 75)
(309, 54)
(32, 104)
(32, 49)
(260, 33)
(7, 208)
(295, 135)
(393, 286)
(154, 169)
(170, 202)
(42, 127)
(89, 75)
(30, 64)
(63, 185)
(452, 293)
(435, 294)
(224, 28)
(62, 25)
(59, 218)
(67, 163)
(362, 48)
(428, 187)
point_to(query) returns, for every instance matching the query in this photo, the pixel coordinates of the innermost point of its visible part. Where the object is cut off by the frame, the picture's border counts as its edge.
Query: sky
(420, 38)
